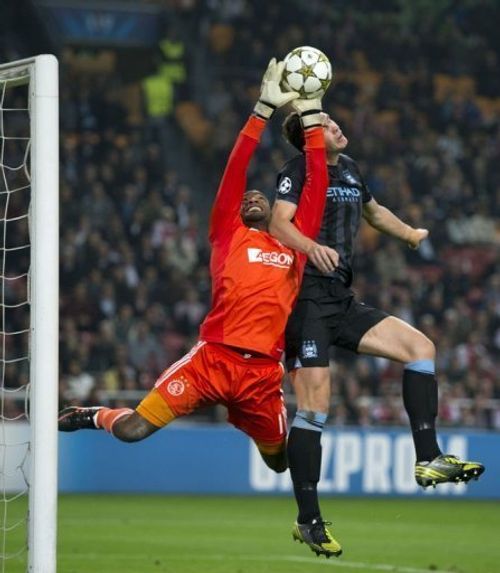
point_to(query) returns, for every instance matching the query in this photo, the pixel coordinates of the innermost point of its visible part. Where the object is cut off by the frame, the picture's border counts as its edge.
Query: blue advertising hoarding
(218, 459)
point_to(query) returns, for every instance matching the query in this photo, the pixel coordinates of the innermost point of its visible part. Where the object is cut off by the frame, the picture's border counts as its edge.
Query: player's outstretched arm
(309, 212)
(313, 198)
(226, 208)
(387, 222)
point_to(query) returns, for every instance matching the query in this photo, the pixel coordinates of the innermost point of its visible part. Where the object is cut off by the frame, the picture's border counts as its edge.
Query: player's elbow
(273, 226)
(277, 226)
(375, 222)
(281, 219)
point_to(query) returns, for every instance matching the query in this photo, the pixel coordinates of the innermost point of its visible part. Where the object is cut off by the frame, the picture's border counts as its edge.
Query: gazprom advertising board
(219, 460)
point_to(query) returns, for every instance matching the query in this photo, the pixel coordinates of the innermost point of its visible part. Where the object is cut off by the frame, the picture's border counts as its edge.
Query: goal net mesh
(15, 249)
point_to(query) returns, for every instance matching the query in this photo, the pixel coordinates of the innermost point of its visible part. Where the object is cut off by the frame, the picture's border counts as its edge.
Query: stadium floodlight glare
(29, 230)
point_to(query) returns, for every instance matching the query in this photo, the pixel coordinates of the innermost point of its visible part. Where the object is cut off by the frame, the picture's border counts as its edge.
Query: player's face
(335, 140)
(255, 208)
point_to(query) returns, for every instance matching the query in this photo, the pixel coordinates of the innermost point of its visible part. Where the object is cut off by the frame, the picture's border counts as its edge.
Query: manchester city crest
(309, 349)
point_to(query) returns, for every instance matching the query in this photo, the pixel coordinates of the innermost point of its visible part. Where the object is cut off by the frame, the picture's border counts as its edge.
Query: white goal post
(40, 73)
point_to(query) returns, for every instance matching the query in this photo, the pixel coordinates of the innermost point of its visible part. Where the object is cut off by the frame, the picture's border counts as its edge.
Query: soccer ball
(307, 71)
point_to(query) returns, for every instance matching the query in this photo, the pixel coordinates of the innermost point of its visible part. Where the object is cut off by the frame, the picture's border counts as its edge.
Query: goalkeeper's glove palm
(272, 96)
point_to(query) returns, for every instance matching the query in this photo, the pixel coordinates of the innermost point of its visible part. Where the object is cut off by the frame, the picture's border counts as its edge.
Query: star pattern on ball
(307, 71)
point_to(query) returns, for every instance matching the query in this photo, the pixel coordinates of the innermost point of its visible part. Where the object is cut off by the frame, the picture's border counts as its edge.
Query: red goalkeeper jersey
(255, 279)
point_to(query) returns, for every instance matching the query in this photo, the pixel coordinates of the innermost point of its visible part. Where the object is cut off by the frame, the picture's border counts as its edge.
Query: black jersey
(346, 194)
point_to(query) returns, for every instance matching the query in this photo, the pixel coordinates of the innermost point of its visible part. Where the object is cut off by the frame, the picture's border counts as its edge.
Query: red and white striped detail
(282, 416)
(180, 363)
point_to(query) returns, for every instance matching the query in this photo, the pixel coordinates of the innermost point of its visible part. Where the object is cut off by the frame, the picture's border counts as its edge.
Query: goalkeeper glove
(309, 111)
(272, 96)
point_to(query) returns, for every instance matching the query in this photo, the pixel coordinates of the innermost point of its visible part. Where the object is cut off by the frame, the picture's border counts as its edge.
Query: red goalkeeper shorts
(250, 388)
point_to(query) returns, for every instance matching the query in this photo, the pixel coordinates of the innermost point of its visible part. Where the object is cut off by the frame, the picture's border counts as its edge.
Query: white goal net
(28, 314)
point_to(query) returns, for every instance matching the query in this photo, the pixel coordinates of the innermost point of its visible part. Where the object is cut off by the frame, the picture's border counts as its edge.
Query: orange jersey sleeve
(225, 216)
(313, 198)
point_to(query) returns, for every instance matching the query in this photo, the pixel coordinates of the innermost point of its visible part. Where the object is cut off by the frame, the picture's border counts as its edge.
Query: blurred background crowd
(144, 140)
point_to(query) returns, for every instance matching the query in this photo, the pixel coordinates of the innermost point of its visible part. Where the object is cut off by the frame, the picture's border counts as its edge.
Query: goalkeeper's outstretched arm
(226, 209)
(225, 215)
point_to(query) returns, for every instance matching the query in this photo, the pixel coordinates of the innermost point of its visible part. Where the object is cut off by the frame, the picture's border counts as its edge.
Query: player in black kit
(327, 313)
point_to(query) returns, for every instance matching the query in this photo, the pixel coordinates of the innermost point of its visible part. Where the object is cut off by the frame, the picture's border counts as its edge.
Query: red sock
(106, 417)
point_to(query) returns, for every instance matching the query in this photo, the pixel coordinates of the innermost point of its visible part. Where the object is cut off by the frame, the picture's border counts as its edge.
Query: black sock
(426, 446)
(420, 398)
(304, 460)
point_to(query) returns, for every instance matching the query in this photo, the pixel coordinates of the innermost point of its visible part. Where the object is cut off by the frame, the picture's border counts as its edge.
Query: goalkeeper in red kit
(255, 282)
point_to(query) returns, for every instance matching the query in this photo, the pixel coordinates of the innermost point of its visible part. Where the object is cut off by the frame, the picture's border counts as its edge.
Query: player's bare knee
(422, 349)
(319, 404)
(315, 402)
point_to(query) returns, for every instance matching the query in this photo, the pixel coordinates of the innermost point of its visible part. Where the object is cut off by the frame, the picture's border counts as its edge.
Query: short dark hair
(293, 131)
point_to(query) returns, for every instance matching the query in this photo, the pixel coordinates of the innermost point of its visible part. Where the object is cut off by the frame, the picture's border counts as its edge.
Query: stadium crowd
(418, 96)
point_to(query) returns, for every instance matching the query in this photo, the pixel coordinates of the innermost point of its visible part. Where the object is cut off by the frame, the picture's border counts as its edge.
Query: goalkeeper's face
(255, 209)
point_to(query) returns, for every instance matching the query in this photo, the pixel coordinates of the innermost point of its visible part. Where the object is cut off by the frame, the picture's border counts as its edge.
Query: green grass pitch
(154, 534)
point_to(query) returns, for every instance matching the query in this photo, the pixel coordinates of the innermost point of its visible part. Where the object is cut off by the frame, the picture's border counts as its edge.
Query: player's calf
(132, 428)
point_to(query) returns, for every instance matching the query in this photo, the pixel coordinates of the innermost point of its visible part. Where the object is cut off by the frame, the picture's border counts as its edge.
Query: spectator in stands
(443, 125)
